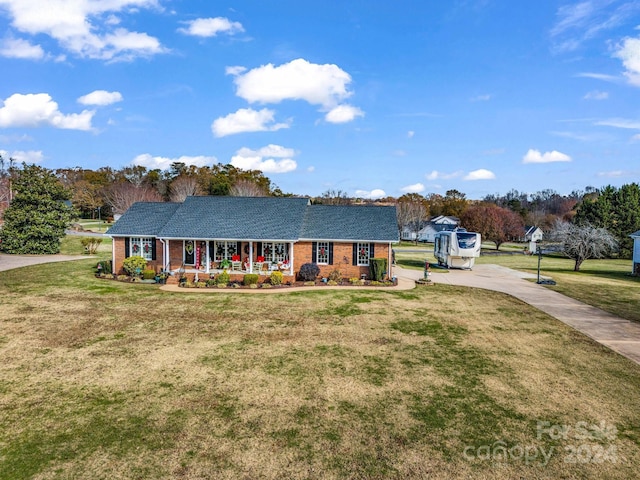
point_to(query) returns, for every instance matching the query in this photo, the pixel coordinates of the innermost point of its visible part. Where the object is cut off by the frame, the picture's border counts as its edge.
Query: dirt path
(622, 336)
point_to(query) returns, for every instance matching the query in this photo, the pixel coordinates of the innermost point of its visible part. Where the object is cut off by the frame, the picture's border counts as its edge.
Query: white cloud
(85, 28)
(372, 194)
(629, 53)
(480, 174)
(299, 79)
(164, 163)
(535, 156)
(100, 97)
(343, 114)
(248, 159)
(481, 98)
(410, 134)
(235, 70)
(210, 27)
(596, 95)
(619, 123)
(619, 174)
(581, 21)
(19, 48)
(246, 120)
(33, 110)
(600, 76)
(30, 156)
(435, 175)
(415, 188)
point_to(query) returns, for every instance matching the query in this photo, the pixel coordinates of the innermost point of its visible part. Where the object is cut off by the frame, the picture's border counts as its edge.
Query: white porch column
(291, 259)
(208, 267)
(251, 257)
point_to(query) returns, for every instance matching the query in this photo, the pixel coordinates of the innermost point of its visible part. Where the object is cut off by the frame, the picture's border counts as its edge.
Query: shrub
(308, 272)
(335, 276)
(377, 268)
(91, 244)
(356, 281)
(149, 274)
(332, 283)
(276, 278)
(310, 283)
(266, 285)
(251, 279)
(134, 265)
(223, 278)
(211, 282)
(104, 266)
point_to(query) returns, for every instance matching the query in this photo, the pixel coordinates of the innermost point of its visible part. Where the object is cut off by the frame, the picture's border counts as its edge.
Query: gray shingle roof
(143, 218)
(237, 218)
(257, 218)
(350, 222)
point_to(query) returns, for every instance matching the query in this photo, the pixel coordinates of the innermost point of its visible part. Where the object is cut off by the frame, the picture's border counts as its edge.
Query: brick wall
(119, 255)
(342, 259)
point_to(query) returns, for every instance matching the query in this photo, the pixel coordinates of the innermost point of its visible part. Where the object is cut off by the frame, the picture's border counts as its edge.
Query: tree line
(499, 218)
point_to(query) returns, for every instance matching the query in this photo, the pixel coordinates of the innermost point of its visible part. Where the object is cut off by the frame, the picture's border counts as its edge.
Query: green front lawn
(101, 379)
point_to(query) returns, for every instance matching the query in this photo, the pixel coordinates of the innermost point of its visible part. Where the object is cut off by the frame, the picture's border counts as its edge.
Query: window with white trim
(274, 251)
(225, 250)
(322, 253)
(363, 253)
(141, 247)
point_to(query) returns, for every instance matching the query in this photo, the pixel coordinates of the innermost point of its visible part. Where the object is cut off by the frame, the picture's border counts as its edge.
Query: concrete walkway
(622, 336)
(9, 262)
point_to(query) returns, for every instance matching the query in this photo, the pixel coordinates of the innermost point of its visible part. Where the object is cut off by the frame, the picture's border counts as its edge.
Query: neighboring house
(440, 223)
(255, 234)
(532, 234)
(636, 253)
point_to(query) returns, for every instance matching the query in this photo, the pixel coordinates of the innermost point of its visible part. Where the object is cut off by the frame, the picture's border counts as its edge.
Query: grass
(70, 245)
(603, 283)
(102, 379)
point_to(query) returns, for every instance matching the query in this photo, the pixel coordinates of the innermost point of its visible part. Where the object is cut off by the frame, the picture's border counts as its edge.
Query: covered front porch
(241, 257)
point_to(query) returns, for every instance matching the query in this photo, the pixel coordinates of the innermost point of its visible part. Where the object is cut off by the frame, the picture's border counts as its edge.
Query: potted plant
(225, 264)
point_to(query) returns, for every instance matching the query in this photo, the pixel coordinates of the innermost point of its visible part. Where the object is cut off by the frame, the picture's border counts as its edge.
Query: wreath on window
(267, 250)
(135, 248)
(231, 249)
(146, 248)
(363, 252)
(220, 250)
(322, 251)
(189, 248)
(279, 249)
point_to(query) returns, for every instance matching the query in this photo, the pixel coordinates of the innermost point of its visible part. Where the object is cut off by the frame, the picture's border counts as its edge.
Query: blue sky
(371, 97)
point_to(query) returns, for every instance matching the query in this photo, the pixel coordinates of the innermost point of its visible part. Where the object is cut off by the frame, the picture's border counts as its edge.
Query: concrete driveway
(9, 262)
(622, 336)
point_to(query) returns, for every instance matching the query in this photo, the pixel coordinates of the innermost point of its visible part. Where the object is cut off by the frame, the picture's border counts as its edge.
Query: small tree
(38, 215)
(134, 265)
(91, 244)
(495, 224)
(582, 242)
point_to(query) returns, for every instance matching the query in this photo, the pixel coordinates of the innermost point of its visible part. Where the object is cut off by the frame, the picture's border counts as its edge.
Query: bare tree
(247, 188)
(120, 196)
(183, 187)
(334, 197)
(582, 242)
(411, 212)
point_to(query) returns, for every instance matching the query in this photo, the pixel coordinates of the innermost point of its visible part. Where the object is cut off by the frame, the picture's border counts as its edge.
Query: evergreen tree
(38, 214)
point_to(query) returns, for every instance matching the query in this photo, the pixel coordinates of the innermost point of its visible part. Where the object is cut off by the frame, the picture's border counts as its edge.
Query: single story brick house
(205, 234)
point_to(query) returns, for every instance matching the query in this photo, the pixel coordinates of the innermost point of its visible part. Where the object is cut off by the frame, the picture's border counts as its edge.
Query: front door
(189, 252)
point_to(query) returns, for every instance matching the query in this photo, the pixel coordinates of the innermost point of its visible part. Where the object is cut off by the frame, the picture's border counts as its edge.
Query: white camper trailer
(457, 249)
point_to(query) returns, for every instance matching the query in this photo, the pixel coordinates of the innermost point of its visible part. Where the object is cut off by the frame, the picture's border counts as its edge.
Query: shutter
(371, 251)
(330, 253)
(314, 252)
(127, 247)
(153, 249)
(354, 257)
(258, 249)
